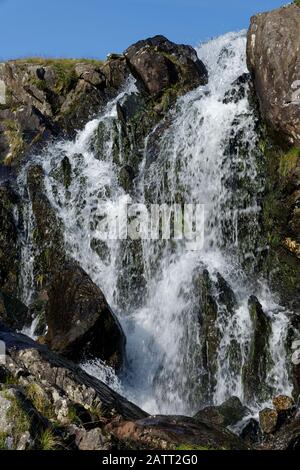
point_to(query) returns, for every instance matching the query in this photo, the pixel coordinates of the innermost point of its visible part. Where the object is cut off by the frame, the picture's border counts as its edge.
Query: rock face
(256, 368)
(273, 59)
(9, 249)
(80, 323)
(160, 64)
(43, 98)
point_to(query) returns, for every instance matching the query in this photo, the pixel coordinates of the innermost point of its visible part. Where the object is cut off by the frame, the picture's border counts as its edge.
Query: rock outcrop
(42, 99)
(160, 64)
(80, 322)
(256, 367)
(47, 402)
(273, 59)
(229, 413)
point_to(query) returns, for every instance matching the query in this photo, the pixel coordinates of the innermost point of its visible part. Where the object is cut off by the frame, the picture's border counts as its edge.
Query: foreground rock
(80, 322)
(273, 59)
(47, 402)
(228, 413)
(171, 432)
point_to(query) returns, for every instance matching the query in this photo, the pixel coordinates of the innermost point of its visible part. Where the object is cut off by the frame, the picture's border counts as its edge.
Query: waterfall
(208, 155)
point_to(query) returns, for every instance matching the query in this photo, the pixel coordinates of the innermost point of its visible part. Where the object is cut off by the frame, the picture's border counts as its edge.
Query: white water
(163, 370)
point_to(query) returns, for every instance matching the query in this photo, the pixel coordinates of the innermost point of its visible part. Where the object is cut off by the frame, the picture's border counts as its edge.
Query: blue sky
(93, 28)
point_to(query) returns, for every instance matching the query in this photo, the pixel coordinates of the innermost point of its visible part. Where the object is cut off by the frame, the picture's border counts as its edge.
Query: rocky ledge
(47, 402)
(41, 99)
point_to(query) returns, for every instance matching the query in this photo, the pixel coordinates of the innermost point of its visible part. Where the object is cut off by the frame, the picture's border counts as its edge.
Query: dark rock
(158, 64)
(80, 323)
(9, 246)
(228, 413)
(251, 432)
(169, 432)
(256, 367)
(49, 239)
(273, 60)
(13, 312)
(239, 89)
(29, 362)
(268, 419)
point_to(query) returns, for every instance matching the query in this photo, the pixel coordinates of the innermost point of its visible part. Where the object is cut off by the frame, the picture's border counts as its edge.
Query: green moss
(73, 416)
(3, 438)
(288, 161)
(39, 84)
(194, 447)
(10, 380)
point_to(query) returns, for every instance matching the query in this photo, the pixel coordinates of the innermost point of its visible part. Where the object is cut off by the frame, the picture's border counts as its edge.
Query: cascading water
(200, 162)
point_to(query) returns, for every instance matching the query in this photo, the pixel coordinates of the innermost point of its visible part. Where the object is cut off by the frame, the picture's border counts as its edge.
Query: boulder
(80, 322)
(283, 403)
(228, 413)
(274, 62)
(251, 432)
(268, 420)
(175, 432)
(159, 64)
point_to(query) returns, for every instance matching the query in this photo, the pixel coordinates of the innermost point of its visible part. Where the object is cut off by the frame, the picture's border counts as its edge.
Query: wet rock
(169, 432)
(268, 420)
(283, 403)
(9, 246)
(13, 312)
(255, 369)
(30, 363)
(251, 432)
(210, 334)
(49, 240)
(80, 323)
(273, 60)
(239, 89)
(228, 413)
(159, 64)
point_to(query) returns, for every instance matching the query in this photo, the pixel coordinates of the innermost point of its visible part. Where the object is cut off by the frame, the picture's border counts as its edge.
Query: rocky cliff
(273, 60)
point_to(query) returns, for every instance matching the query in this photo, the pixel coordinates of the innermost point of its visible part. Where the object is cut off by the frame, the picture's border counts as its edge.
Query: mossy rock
(258, 362)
